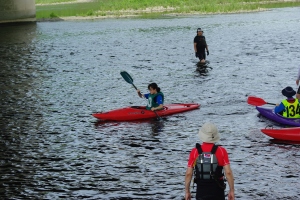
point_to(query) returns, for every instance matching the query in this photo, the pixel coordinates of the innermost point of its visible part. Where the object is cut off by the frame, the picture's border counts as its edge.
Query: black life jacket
(206, 168)
(201, 42)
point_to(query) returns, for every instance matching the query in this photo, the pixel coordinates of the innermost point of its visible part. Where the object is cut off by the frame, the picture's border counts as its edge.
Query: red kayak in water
(290, 134)
(140, 112)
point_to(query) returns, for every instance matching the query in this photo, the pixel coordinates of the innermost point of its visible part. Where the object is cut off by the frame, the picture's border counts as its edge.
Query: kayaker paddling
(271, 115)
(153, 103)
(155, 97)
(132, 113)
(288, 107)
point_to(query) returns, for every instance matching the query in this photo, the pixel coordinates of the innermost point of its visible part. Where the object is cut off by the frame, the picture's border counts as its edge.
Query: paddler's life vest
(152, 100)
(207, 168)
(292, 110)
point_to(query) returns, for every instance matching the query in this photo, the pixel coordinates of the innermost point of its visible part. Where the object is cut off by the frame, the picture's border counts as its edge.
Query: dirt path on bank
(76, 1)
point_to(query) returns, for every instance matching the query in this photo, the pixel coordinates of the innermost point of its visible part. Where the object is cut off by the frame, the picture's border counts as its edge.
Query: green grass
(115, 7)
(76, 9)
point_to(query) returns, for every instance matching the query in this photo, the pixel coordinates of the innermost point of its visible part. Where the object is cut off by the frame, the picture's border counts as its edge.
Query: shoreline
(140, 14)
(160, 11)
(87, 1)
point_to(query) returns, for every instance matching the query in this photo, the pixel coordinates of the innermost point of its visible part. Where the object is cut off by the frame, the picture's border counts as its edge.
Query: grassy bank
(117, 8)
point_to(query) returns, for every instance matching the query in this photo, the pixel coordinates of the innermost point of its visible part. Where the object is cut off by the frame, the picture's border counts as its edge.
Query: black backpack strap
(214, 149)
(198, 146)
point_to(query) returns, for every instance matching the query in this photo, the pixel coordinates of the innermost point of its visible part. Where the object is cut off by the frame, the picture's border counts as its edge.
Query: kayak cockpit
(138, 107)
(144, 107)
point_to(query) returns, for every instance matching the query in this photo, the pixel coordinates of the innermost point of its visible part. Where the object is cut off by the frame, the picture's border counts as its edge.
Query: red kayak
(290, 134)
(140, 112)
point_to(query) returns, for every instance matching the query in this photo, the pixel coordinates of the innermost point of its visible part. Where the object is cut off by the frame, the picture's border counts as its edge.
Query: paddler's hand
(297, 81)
(153, 109)
(139, 93)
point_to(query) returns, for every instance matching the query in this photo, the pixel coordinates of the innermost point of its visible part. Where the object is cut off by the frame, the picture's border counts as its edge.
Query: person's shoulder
(222, 148)
(193, 151)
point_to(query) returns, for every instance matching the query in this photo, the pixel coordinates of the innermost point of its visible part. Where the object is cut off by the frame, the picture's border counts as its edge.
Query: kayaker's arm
(159, 101)
(279, 108)
(139, 93)
(161, 106)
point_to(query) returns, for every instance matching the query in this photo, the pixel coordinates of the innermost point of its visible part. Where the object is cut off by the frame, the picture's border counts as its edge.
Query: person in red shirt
(210, 189)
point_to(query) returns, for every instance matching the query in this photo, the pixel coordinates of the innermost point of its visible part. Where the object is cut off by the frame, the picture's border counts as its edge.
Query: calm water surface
(54, 75)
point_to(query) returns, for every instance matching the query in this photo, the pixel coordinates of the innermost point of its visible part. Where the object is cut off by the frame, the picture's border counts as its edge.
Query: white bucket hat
(209, 133)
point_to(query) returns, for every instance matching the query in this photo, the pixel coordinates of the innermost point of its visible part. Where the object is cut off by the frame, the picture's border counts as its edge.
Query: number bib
(292, 110)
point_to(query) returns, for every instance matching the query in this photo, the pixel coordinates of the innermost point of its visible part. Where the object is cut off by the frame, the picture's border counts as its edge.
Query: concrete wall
(17, 11)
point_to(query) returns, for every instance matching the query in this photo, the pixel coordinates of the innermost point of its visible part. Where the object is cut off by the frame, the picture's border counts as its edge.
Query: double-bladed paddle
(129, 80)
(256, 101)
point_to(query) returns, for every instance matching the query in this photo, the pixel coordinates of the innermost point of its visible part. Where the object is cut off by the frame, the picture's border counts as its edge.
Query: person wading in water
(209, 161)
(200, 46)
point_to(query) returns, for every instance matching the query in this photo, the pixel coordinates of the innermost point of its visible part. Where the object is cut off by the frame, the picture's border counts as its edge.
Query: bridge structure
(13, 11)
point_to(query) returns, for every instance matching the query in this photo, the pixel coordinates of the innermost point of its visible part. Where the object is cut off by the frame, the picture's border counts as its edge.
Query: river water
(54, 75)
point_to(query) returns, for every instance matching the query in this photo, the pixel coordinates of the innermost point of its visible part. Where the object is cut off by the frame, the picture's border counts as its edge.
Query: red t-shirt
(221, 154)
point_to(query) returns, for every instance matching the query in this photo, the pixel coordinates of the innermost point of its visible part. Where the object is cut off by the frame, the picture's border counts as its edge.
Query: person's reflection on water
(203, 69)
(104, 124)
(157, 126)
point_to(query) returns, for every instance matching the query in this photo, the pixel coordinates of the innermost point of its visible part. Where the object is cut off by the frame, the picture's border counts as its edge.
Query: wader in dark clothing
(209, 191)
(200, 45)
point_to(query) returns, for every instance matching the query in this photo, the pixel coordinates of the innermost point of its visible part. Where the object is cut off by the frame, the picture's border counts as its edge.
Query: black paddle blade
(126, 77)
